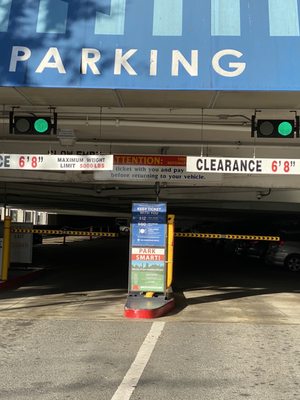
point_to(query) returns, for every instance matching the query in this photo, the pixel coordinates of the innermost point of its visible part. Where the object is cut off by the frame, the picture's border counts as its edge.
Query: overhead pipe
(119, 123)
(160, 144)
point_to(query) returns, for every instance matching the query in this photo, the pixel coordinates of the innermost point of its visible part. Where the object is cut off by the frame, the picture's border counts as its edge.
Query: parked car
(252, 248)
(285, 253)
(123, 226)
(124, 229)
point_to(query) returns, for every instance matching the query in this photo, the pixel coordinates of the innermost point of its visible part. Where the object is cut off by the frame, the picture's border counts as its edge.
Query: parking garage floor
(87, 280)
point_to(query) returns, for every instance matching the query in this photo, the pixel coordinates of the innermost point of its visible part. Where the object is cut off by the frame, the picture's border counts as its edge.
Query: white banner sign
(271, 166)
(49, 162)
(142, 168)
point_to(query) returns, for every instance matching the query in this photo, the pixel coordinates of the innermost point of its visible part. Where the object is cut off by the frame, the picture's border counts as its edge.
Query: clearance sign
(50, 162)
(231, 165)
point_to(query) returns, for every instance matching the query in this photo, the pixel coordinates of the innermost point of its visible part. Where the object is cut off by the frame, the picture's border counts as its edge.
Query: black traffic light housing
(275, 128)
(33, 124)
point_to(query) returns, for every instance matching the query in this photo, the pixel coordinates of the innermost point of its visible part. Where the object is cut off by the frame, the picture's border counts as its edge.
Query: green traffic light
(285, 128)
(41, 125)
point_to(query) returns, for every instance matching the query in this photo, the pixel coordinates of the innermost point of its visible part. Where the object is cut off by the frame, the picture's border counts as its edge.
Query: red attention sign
(153, 160)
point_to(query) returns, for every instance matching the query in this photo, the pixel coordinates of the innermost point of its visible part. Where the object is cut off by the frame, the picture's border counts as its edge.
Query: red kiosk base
(139, 306)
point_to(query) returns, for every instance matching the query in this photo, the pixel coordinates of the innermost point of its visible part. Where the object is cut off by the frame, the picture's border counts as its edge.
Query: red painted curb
(20, 280)
(149, 314)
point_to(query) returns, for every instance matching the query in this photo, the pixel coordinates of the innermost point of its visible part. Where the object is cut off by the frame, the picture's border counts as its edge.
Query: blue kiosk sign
(148, 248)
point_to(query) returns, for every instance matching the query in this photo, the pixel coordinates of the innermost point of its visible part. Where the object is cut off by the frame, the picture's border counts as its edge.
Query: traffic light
(32, 125)
(275, 128)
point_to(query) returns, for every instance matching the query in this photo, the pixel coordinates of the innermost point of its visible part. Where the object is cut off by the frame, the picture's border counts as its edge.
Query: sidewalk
(17, 276)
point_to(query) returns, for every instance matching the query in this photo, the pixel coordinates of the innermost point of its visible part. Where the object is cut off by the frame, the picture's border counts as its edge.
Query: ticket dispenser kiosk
(148, 262)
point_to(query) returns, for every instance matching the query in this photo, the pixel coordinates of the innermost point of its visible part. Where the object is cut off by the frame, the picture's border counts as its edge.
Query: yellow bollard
(6, 248)
(149, 294)
(171, 222)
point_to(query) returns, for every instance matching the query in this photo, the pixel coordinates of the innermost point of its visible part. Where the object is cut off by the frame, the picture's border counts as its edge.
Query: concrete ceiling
(26, 96)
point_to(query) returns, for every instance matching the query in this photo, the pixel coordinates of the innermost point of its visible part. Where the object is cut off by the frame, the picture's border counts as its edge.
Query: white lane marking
(136, 369)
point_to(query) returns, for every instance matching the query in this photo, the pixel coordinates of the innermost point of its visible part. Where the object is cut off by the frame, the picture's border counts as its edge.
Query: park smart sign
(147, 264)
(158, 44)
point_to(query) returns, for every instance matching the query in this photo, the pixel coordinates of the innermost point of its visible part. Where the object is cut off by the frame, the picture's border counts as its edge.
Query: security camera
(258, 196)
